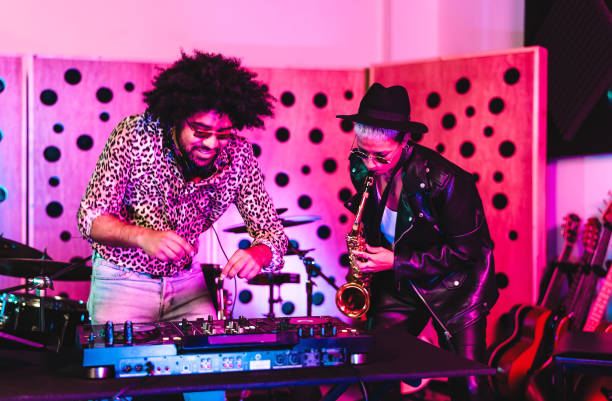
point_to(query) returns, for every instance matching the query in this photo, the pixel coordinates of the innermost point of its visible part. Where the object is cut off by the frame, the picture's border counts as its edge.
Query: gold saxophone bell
(353, 298)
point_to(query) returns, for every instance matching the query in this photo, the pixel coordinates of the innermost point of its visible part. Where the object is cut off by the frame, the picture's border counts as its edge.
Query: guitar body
(515, 357)
(539, 385)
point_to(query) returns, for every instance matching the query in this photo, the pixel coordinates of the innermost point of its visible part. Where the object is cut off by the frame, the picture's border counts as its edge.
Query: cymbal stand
(310, 266)
(272, 300)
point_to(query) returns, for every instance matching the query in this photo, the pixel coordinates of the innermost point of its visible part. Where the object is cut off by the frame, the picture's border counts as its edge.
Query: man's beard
(193, 157)
(194, 167)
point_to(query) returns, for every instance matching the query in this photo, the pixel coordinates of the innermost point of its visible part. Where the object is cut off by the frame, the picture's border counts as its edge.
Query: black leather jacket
(442, 241)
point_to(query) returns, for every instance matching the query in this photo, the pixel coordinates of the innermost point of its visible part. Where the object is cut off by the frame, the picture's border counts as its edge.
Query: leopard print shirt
(137, 179)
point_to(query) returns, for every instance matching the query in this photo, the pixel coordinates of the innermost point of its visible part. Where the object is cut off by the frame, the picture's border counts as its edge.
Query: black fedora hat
(386, 108)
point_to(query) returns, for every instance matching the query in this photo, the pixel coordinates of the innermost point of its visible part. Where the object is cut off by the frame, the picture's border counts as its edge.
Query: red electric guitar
(533, 325)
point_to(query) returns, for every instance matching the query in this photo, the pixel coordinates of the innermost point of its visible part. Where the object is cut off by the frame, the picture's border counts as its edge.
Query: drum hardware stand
(310, 267)
(271, 300)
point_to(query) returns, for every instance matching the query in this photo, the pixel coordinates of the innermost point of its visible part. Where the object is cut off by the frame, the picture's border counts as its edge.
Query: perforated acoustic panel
(303, 153)
(487, 113)
(12, 155)
(76, 104)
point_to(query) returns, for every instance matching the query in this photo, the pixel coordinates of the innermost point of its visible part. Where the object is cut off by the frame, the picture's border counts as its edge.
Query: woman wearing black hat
(428, 244)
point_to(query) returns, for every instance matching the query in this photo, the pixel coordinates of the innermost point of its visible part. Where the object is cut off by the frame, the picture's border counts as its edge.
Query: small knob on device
(109, 334)
(128, 333)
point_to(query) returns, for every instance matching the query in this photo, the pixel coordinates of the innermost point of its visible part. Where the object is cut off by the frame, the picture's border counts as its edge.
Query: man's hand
(164, 245)
(375, 258)
(246, 263)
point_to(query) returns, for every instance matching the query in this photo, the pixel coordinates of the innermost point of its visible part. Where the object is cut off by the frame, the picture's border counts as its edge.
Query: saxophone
(353, 298)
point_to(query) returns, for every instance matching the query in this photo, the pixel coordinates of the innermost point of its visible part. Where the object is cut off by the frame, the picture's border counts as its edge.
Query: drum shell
(20, 316)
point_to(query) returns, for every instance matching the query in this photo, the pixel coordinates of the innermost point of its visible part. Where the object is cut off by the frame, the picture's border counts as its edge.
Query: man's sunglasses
(205, 133)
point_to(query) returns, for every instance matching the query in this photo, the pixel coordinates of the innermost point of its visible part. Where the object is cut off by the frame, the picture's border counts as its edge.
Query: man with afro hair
(164, 177)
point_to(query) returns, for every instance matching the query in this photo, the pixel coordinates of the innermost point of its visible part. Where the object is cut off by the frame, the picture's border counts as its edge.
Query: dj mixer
(212, 346)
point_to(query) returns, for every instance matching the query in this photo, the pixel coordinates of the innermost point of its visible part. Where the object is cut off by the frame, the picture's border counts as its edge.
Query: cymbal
(286, 222)
(294, 251)
(274, 278)
(23, 267)
(14, 249)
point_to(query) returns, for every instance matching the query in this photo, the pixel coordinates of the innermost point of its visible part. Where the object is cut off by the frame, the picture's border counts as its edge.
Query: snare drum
(20, 316)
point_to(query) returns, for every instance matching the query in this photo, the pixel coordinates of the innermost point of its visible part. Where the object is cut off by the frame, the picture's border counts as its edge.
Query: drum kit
(277, 279)
(30, 318)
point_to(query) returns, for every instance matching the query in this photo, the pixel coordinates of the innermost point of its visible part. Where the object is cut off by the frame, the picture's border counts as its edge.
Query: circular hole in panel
(462, 86)
(512, 76)
(104, 95)
(320, 100)
(288, 99)
(433, 100)
(48, 97)
(72, 76)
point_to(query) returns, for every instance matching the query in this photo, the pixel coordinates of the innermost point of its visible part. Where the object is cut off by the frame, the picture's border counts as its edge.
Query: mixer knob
(109, 334)
(328, 330)
(128, 333)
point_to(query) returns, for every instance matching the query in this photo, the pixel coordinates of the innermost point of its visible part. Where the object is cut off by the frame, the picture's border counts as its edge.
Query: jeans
(118, 295)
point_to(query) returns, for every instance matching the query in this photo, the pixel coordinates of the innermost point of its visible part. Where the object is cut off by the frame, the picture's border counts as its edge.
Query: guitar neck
(553, 290)
(577, 289)
(601, 302)
(566, 252)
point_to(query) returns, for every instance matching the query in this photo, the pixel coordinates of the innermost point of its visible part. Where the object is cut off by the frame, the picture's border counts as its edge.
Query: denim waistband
(97, 258)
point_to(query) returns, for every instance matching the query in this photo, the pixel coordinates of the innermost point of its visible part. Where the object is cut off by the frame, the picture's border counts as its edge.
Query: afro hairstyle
(206, 82)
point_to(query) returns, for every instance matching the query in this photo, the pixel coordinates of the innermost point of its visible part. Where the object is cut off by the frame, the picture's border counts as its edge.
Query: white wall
(274, 33)
(578, 185)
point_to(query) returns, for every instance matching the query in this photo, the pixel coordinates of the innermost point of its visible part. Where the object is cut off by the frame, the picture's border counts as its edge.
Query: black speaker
(578, 36)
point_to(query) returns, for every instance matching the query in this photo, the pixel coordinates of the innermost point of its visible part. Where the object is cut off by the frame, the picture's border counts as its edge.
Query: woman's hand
(375, 259)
